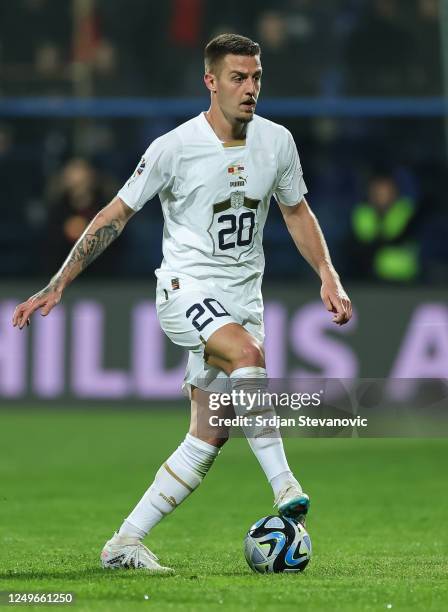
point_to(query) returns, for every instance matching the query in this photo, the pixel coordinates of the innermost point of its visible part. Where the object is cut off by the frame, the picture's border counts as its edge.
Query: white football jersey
(215, 198)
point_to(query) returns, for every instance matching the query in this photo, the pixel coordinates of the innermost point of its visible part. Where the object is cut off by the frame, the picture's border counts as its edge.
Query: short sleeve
(290, 187)
(153, 174)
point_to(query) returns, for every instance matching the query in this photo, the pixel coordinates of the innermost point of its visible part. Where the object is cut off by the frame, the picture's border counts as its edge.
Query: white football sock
(131, 531)
(282, 480)
(266, 443)
(179, 476)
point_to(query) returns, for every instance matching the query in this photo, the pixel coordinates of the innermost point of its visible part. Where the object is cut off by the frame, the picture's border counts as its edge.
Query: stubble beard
(245, 120)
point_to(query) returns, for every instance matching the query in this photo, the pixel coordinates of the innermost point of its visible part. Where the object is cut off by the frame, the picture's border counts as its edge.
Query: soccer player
(215, 175)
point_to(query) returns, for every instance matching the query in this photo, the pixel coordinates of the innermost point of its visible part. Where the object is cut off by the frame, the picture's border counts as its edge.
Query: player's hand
(46, 300)
(336, 301)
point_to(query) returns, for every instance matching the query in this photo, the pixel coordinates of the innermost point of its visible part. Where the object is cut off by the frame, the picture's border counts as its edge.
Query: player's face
(237, 86)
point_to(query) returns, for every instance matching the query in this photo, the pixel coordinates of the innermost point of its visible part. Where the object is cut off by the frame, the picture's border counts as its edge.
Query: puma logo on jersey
(237, 175)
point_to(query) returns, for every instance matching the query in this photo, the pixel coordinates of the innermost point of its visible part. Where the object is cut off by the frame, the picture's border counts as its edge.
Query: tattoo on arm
(90, 246)
(86, 250)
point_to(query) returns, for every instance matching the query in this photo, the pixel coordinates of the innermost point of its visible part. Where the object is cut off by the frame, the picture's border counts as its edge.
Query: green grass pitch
(378, 519)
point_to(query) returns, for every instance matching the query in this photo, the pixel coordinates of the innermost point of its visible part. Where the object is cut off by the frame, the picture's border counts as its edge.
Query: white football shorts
(190, 311)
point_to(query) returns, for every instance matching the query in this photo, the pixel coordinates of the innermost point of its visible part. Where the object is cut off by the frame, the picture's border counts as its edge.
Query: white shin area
(179, 476)
(266, 443)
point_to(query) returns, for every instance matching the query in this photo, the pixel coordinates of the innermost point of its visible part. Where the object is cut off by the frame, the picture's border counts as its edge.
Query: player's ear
(210, 82)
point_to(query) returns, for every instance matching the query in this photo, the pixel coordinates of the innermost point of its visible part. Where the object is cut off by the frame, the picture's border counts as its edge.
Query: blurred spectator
(51, 71)
(105, 70)
(20, 181)
(290, 51)
(142, 42)
(47, 60)
(35, 44)
(287, 64)
(75, 195)
(243, 16)
(384, 243)
(380, 53)
(10, 201)
(96, 66)
(311, 29)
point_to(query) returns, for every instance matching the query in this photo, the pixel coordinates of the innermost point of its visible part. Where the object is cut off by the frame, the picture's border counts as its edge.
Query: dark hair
(223, 44)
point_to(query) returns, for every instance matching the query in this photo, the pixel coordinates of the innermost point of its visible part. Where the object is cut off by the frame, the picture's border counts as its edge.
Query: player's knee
(250, 353)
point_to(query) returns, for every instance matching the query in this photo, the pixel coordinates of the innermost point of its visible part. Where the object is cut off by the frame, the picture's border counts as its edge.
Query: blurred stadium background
(86, 85)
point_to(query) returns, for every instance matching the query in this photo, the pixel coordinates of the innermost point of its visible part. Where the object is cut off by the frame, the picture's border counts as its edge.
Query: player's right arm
(104, 228)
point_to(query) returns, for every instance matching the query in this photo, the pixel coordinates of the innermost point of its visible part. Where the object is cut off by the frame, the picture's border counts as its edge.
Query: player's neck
(224, 129)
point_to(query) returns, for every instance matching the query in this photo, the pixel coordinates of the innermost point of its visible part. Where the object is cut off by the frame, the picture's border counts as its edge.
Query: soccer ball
(277, 544)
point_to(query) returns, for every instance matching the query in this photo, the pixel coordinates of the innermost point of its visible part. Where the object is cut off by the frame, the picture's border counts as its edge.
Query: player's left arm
(305, 230)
